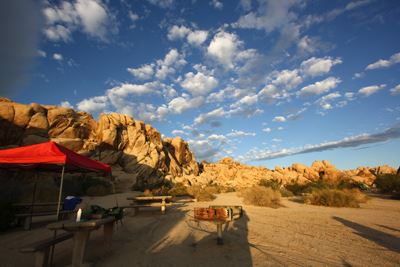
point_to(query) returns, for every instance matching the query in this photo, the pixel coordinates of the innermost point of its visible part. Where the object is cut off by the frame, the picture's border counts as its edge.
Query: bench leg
(219, 234)
(108, 232)
(163, 207)
(78, 252)
(42, 258)
(27, 223)
(135, 211)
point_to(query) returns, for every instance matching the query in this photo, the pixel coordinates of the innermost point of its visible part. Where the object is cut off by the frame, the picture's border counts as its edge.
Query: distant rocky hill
(138, 154)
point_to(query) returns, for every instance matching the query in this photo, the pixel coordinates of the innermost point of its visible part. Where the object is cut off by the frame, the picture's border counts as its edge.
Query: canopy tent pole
(58, 212)
(33, 201)
(60, 193)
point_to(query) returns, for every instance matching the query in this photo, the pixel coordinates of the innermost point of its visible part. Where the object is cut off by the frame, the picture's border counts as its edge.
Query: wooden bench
(150, 201)
(42, 248)
(25, 212)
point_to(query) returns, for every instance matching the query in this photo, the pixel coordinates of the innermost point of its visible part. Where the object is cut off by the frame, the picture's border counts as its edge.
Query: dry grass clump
(178, 190)
(388, 183)
(261, 196)
(201, 194)
(336, 198)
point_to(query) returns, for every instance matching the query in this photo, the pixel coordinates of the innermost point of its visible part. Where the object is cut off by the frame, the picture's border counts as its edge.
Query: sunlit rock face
(141, 158)
(130, 145)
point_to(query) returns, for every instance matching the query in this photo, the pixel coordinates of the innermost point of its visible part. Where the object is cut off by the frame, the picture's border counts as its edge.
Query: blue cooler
(70, 202)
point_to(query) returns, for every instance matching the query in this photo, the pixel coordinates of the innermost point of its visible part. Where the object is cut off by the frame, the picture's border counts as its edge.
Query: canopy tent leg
(58, 212)
(28, 224)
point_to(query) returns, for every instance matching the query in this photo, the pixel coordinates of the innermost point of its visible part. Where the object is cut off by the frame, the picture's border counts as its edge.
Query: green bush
(388, 183)
(261, 196)
(351, 184)
(299, 189)
(336, 198)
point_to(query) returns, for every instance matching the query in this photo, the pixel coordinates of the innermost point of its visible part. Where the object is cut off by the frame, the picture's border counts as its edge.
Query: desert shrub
(96, 187)
(163, 190)
(350, 184)
(227, 189)
(261, 196)
(299, 189)
(213, 189)
(204, 195)
(274, 183)
(200, 193)
(336, 198)
(285, 192)
(178, 190)
(388, 183)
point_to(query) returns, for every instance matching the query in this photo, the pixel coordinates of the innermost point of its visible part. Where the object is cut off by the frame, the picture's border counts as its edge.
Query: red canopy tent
(47, 156)
(50, 156)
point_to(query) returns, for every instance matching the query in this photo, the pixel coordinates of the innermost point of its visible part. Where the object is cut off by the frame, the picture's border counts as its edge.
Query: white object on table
(78, 215)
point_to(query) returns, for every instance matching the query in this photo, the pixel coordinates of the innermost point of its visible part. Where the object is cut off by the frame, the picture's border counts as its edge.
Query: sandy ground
(293, 235)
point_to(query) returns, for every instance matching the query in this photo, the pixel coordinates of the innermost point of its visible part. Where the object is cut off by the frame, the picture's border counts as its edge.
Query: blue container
(70, 202)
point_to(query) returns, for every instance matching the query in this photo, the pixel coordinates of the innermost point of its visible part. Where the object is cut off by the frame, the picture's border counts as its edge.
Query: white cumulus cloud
(224, 47)
(320, 87)
(318, 66)
(199, 83)
(370, 90)
(395, 90)
(384, 63)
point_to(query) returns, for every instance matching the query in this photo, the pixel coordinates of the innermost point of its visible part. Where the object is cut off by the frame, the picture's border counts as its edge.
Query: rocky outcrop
(228, 172)
(140, 157)
(130, 145)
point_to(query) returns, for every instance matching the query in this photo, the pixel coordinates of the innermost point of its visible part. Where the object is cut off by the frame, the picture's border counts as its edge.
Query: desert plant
(388, 183)
(299, 189)
(350, 184)
(200, 193)
(261, 196)
(285, 192)
(273, 183)
(336, 198)
(178, 190)
(204, 195)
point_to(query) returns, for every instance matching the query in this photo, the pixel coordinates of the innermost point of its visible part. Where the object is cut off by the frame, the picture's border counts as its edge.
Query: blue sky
(265, 82)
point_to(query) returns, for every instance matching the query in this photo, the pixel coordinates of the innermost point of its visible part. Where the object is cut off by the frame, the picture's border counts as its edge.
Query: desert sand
(293, 235)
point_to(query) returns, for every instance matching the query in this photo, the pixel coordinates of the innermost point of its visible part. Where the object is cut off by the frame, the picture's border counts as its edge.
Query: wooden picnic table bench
(25, 211)
(81, 231)
(27, 217)
(42, 248)
(150, 201)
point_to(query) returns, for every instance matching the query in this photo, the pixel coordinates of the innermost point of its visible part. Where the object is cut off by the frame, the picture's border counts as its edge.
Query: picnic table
(81, 231)
(150, 201)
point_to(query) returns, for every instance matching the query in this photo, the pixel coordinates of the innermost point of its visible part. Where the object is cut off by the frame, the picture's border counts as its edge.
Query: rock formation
(138, 154)
(228, 172)
(128, 145)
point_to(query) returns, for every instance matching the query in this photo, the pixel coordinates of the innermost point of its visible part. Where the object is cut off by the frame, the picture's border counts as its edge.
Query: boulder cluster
(230, 173)
(140, 156)
(134, 149)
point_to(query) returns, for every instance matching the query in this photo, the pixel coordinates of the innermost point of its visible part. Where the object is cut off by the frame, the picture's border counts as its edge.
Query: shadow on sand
(381, 238)
(174, 239)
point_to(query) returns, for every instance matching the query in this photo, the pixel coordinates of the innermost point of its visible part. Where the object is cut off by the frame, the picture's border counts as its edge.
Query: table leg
(80, 239)
(163, 206)
(219, 234)
(108, 232)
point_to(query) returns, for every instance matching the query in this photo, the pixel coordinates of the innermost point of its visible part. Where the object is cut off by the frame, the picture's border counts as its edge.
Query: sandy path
(294, 235)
